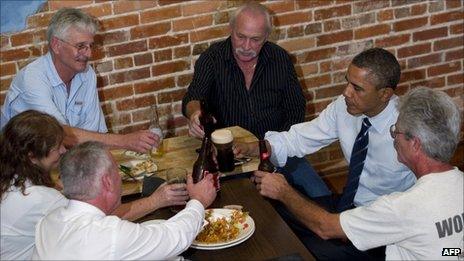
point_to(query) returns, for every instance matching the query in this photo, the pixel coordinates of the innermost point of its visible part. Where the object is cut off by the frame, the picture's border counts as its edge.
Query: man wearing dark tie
(360, 120)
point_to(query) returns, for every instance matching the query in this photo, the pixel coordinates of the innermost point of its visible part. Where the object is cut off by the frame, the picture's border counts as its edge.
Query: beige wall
(148, 48)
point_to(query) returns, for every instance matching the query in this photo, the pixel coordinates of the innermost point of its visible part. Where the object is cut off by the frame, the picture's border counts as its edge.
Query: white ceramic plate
(140, 173)
(246, 231)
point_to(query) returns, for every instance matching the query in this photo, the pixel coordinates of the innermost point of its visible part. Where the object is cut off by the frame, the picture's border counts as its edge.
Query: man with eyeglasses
(359, 120)
(419, 223)
(62, 83)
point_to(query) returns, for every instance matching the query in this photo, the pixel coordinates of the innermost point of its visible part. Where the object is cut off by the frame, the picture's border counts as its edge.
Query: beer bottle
(206, 118)
(205, 164)
(265, 164)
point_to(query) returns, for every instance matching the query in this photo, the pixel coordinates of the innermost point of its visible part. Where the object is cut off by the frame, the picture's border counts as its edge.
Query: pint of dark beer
(223, 141)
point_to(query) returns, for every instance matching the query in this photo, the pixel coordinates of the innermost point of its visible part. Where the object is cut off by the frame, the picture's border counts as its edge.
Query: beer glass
(223, 141)
(176, 176)
(155, 128)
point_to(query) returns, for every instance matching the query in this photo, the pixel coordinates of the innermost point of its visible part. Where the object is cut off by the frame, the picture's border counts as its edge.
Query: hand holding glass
(176, 176)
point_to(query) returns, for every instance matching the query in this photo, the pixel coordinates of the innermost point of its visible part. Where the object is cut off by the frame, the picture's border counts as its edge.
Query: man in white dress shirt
(369, 96)
(83, 229)
(418, 224)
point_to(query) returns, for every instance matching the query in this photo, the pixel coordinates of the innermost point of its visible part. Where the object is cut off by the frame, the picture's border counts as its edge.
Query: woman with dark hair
(30, 147)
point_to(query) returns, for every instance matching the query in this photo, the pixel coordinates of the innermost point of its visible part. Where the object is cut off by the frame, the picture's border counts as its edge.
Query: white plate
(136, 155)
(243, 235)
(139, 174)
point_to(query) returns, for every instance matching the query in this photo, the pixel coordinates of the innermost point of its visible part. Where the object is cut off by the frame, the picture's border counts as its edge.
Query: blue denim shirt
(39, 87)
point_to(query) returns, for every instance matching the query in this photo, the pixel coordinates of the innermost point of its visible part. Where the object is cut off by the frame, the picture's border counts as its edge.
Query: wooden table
(271, 239)
(180, 152)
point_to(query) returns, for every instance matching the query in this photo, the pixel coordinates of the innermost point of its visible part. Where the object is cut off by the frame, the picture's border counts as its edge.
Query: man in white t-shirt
(84, 228)
(416, 224)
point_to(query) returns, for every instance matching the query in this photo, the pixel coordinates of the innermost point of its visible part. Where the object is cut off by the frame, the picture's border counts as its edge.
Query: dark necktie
(358, 155)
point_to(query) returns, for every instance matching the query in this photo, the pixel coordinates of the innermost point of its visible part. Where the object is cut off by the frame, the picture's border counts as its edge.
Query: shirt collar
(83, 207)
(382, 121)
(52, 73)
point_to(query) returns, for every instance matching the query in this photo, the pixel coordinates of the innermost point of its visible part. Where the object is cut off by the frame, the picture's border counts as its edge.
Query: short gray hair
(432, 117)
(81, 169)
(255, 8)
(67, 17)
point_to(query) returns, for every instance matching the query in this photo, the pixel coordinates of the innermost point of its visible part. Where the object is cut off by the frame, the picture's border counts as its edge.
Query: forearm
(136, 209)
(324, 224)
(75, 136)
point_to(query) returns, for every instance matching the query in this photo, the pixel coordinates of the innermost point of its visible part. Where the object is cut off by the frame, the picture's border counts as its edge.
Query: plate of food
(136, 155)
(136, 169)
(224, 228)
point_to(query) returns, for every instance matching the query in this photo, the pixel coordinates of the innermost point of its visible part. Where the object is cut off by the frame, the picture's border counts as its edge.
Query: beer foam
(222, 136)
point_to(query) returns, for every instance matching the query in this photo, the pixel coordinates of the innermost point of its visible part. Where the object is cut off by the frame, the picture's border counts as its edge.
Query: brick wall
(148, 49)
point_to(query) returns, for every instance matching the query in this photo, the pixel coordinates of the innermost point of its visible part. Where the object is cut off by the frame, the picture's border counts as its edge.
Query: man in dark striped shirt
(250, 82)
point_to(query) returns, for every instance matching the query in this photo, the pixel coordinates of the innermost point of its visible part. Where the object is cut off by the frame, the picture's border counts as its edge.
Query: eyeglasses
(394, 132)
(80, 47)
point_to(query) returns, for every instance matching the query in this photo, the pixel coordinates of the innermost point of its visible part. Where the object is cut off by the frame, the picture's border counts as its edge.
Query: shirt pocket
(76, 115)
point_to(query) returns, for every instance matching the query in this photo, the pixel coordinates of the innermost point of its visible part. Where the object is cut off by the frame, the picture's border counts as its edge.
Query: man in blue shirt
(63, 84)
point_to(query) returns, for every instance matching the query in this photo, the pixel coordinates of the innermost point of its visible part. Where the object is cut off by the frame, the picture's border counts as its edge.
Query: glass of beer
(223, 141)
(176, 176)
(155, 128)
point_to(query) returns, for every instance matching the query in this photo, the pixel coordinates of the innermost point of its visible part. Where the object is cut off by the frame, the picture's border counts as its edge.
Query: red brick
(446, 17)
(410, 24)
(163, 55)
(292, 18)
(298, 44)
(21, 39)
(357, 21)
(414, 75)
(316, 81)
(448, 43)
(5, 83)
(129, 6)
(2, 98)
(167, 40)
(313, 3)
(436, 6)
(457, 28)
(123, 63)
(335, 37)
(102, 67)
(4, 42)
(39, 20)
(435, 82)
(182, 51)
(280, 7)
(142, 59)
(385, 15)
(135, 74)
(414, 50)
(102, 81)
(430, 34)
(424, 60)
(111, 38)
(454, 55)
(127, 48)
(169, 2)
(332, 25)
(39, 36)
(171, 96)
(452, 4)
(200, 8)
(418, 9)
(392, 40)
(295, 31)
(444, 68)
(170, 67)
(372, 31)
(14, 55)
(332, 91)
(192, 23)
(184, 80)
(455, 79)
(209, 33)
(119, 22)
(97, 53)
(99, 10)
(160, 14)
(150, 30)
(306, 69)
(313, 28)
(153, 86)
(364, 6)
(327, 13)
(221, 18)
(55, 5)
(316, 55)
(7, 69)
(108, 94)
(317, 107)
